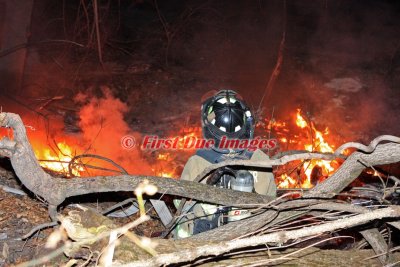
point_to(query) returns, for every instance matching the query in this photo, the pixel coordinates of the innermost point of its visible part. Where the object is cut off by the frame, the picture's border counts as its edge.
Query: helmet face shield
(226, 114)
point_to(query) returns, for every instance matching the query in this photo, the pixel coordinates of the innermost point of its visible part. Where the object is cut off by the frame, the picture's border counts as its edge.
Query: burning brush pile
(301, 134)
(103, 143)
(311, 210)
(306, 157)
(88, 141)
(95, 140)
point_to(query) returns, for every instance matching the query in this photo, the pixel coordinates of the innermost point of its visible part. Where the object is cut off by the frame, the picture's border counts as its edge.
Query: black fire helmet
(226, 114)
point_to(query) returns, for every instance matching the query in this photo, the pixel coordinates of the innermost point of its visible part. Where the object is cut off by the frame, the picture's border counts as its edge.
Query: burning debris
(277, 233)
(302, 134)
(102, 125)
(58, 160)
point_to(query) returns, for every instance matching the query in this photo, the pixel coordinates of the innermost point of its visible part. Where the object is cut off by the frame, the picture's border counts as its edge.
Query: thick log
(182, 188)
(353, 166)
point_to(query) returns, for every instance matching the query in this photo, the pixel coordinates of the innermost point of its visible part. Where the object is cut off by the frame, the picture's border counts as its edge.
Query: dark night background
(341, 59)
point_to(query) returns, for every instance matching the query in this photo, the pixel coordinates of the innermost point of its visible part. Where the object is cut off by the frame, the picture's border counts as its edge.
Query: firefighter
(226, 115)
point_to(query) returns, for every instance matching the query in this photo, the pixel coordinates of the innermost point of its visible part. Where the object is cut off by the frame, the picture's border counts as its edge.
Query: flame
(58, 159)
(311, 140)
(166, 174)
(300, 121)
(301, 135)
(163, 156)
(373, 172)
(167, 162)
(283, 139)
(287, 181)
(162, 169)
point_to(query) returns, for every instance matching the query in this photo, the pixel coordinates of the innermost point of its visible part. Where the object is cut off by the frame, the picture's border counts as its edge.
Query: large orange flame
(305, 135)
(314, 142)
(58, 159)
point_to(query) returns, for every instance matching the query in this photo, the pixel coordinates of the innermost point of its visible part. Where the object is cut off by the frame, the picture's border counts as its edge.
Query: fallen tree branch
(347, 173)
(187, 189)
(352, 168)
(371, 147)
(55, 191)
(280, 237)
(378, 244)
(339, 207)
(300, 156)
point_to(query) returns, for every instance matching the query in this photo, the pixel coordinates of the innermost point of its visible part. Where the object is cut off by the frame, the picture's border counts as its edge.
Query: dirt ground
(20, 213)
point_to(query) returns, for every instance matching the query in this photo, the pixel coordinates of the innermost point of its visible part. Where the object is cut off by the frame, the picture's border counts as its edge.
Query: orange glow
(286, 181)
(167, 163)
(300, 121)
(163, 156)
(297, 133)
(313, 140)
(58, 159)
(166, 174)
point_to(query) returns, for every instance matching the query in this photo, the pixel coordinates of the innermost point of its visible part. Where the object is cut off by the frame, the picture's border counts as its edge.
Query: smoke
(341, 69)
(103, 126)
(325, 40)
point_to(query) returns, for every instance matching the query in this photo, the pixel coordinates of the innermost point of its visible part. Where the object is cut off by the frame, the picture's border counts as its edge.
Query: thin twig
(45, 258)
(122, 170)
(277, 69)
(39, 227)
(96, 23)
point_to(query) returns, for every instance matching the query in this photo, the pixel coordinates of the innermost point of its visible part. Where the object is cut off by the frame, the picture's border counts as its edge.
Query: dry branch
(353, 166)
(348, 172)
(55, 191)
(310, 155)
(278, 65)
(280, 237)
(378, 243)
